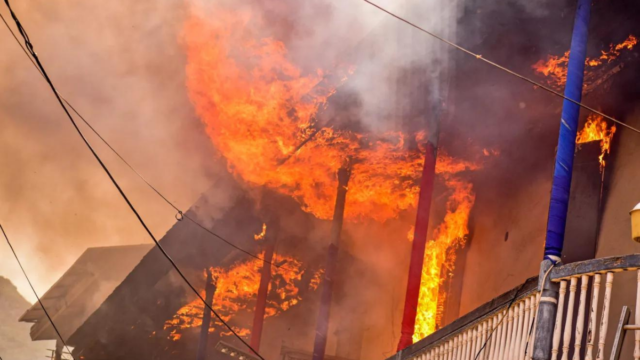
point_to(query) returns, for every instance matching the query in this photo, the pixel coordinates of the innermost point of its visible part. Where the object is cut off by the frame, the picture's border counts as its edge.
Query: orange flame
(555, 67)
(236, 288)
(258, 108)
(596, 129)
(440, 255)
(262, 234)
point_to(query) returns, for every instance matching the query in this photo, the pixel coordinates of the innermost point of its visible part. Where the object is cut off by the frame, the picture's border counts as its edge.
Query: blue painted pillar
(561, 187)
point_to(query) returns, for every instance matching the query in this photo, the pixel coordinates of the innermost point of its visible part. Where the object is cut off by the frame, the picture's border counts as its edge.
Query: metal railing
(504, 328)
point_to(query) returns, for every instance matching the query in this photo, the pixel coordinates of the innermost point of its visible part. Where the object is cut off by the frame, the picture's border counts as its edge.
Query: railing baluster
(503, 337)
(454, 352)
(636, 350)
(465, 345)
(447, 348)
(525, 328)
(492, 341)
(536, 303)
(577, 342)
(593, 318)
(450, 352)
(521, 325)
(507, 348)
(474, 343)
(557, 330)
(604, 322)
(481, 338)
(569, 321)
(514, 331)
(485, 340)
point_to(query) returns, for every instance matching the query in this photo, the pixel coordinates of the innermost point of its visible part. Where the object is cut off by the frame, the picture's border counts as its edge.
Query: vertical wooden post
(593, 318)
(419, 238)
(322, 323)
(557, 330)
(263, 291)
(566, 341)
(584, 283)
(58, 352)
(210, 290)
(604, 322)
(526, 328)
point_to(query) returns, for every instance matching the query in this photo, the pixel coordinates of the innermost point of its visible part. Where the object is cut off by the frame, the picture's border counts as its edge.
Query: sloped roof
(82, 289)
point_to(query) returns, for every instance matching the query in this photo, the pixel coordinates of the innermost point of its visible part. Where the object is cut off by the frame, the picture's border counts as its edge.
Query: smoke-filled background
(123, 66)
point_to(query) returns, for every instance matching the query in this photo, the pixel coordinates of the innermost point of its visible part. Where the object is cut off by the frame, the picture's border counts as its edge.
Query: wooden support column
(210, 290)
(322, 324)
(263, 291)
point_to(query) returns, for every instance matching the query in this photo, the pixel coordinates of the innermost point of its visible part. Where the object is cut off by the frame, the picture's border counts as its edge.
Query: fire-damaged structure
(135, 306)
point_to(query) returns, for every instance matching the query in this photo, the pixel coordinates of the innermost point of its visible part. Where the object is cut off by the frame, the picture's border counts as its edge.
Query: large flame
(554, 68)
(440, 255)
(596, 129)
(440, 252)
(236, 290)
(259, 108)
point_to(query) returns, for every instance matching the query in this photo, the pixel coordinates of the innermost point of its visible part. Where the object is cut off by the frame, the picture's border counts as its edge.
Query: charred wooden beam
(210, 290)
(263, 291)
(322, 324)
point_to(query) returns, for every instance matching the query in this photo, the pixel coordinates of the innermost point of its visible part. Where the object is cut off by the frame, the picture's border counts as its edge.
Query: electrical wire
(180, 214)
(511, 72)
(513, 300)
(533, 321)
(532, 327)
(33, 54)
(55, 328)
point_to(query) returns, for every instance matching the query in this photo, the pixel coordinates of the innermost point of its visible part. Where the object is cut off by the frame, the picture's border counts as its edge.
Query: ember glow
(596, 129)
(259, 107)
(260, 236)
(237, 288)
(440, 253)
(554, 69)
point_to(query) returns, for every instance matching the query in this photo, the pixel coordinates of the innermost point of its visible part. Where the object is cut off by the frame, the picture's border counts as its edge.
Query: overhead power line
(29, 46)
(180, 214)
(479, 57)
(53, 325)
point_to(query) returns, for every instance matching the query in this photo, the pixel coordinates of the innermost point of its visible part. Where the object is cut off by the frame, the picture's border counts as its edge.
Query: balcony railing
(504, 328)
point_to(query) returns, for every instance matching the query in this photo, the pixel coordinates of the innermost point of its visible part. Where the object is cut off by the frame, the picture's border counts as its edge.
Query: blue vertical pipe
(561, 186)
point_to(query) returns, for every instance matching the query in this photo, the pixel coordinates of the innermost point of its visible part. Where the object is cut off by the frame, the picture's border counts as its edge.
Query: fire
(596, 129)
(440, 255)
(259, 107)
(236, 290)
(260, 236)
(555, 67)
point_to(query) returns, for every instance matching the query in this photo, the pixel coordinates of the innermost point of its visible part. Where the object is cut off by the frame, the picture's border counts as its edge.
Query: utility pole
(561, 186)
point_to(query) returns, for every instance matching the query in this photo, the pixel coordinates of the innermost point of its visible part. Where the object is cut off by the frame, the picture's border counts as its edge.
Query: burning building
(285, 127)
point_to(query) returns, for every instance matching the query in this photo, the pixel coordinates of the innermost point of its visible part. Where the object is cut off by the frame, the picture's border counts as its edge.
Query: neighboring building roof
(82, 289)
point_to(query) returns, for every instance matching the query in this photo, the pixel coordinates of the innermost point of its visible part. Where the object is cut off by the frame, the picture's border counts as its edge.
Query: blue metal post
(561, 186)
